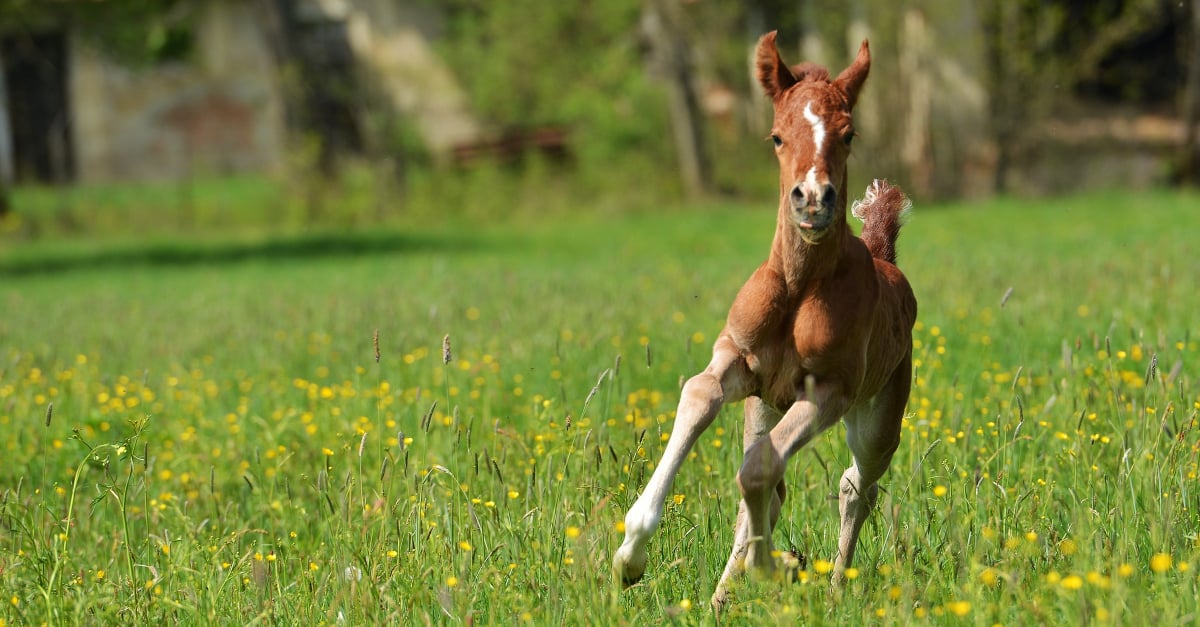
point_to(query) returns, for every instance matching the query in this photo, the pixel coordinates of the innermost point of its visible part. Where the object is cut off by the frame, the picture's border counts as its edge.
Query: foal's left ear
(852, 78)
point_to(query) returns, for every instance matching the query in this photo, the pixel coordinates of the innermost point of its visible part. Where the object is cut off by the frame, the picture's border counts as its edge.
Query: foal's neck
(801, 262)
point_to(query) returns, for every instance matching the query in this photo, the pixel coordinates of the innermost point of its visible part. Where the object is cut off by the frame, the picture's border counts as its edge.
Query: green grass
(225, 447)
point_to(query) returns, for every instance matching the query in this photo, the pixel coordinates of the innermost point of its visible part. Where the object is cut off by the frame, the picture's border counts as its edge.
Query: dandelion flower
(451, 581)
(1072, 582)
(822, 567)
(572, 532)
(464, 545)
(959, 608)
(1160, 562)
(939, 491)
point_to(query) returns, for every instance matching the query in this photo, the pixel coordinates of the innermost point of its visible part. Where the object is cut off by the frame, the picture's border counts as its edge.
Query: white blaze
(818, 127)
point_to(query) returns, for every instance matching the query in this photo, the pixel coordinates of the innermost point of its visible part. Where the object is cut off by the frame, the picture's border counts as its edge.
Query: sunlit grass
(228, 441)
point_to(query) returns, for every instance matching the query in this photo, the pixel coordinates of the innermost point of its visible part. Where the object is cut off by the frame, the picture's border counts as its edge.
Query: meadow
(445, 423)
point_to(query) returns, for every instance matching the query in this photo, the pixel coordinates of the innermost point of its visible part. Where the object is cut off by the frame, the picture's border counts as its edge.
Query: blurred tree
(1040, 50)
(1189, 171)
(670, 57)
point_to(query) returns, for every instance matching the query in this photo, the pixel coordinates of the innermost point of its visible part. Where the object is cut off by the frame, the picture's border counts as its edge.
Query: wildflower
(685, 604)
(851, 573)
(989, 577)
(1160, 562)
(1072, 582)
(959, 608)
(451, 581)
(939, 491)
(392, 553)
(678, 498)
(1125, 570)
(1067, 547)
(464, 545)
(822, 567)
(619, 527)
(512, 494)
(572, 532)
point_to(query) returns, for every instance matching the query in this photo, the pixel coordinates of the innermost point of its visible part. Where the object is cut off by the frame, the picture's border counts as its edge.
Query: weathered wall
(221, 113)
(392, 41)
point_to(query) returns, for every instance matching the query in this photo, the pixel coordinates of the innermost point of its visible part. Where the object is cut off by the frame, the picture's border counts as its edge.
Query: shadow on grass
(171, 253)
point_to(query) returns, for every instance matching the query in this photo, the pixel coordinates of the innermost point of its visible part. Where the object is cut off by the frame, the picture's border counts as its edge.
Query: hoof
(628, 571)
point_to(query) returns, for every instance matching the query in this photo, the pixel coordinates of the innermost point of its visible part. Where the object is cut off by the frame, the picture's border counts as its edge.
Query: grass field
(445, 425)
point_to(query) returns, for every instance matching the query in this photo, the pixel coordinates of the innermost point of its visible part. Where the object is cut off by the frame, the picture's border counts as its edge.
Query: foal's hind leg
(760, 419)
(726, 379)
(872, 433)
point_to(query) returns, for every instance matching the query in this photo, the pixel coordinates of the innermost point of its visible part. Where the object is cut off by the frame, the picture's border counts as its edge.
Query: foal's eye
(850, 137)
(777, 139)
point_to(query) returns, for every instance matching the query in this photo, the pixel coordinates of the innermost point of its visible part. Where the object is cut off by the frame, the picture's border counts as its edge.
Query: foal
(822, 331)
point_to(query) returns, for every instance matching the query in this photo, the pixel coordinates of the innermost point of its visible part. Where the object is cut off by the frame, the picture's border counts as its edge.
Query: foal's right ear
(773, 73)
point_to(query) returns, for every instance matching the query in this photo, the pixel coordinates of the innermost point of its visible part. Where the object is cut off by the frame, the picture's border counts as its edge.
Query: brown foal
(822, 331)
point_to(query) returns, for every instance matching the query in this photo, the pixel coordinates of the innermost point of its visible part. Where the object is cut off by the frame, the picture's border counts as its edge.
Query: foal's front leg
(760, 419)
(725, 380)
(766, 461)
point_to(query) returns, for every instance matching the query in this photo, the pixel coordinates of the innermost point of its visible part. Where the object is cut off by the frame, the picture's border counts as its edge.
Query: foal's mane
(809, 71)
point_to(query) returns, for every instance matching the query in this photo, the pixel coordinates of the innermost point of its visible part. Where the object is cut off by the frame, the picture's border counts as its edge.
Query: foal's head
(812, 133)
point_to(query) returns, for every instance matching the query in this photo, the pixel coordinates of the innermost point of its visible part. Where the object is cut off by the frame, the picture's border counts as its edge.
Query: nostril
(797, 196)
(829, 196)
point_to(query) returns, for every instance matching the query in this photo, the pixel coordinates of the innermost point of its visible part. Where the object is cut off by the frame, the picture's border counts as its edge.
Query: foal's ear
(773, 73)
(852, 78)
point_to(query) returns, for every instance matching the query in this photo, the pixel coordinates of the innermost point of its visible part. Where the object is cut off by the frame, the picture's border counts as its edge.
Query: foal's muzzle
(813, 205)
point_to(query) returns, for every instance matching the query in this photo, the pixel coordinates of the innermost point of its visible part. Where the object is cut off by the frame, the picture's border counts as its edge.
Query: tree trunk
(1189, 172)
(671, 59)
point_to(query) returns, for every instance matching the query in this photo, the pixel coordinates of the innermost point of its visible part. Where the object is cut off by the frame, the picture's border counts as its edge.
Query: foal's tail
(883, 210)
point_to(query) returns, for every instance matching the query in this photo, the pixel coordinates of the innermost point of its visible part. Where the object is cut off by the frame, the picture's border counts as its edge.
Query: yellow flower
(678, 498)
(392, 553)
(572, 532)
(1160, 562)
(1072, 582)
(1125, 570)
(512, 494)
(619, 527)
(851, 573)
(1067, 547)
(989, 577)
(451, 581)
(464, 545)
(327, 452)
(939, 491)
(685, 604)
(959, 608)
(822, 567)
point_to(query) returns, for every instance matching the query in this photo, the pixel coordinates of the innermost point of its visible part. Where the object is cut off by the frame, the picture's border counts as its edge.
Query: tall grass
(225, 446)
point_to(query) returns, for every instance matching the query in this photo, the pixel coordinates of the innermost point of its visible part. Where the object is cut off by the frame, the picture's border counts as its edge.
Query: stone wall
(219, 113)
